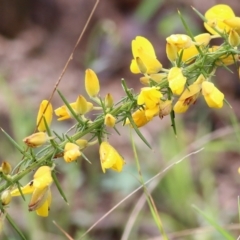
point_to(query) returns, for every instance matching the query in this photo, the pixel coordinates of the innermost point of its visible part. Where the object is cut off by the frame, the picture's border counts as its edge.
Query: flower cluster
(166, 92)
(194, 62)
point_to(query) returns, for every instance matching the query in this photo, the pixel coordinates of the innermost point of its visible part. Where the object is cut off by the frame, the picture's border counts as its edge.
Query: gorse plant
(166, 92)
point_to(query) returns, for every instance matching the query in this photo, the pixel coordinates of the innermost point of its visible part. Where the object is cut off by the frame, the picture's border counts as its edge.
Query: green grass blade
(223, 232)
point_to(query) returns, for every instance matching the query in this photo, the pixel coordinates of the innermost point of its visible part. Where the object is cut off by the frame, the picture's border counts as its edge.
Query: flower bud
(109, 120)
(109, 100)
(92, 86)
(47, 107)
(36, 139)
(233, 38)
(82, 143)
(6, 168)
(6, 197)
(71, 152)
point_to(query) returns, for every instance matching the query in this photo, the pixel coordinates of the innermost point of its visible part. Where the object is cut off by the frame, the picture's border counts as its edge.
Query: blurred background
(36, 39)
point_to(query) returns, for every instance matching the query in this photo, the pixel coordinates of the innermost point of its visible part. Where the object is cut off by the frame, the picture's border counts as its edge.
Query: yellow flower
(82, 106)
(36, 139)
(176, 80)
(110, 158)
(147, 60)
(216, 16)
(180, 41)
(92, 86)
(63, 113)
(139, 118)
(48, 115)
(233, 23)
(109, 120)
(39, 187)
(202, 40)
(71, 152)
(150, 96)
(188, 98)
(212, 95)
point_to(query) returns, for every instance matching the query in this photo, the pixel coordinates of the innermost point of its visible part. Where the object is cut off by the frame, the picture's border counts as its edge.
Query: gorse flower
(80, 107)
(150, 96)
(46, 111)
(39, 187)
(37, 139)
(110, 120)
(71, 152)
(201, 40)
(144, 57)
(92, 85)
(216, 17)
(139, 118)
(213, 97)
(110, 158)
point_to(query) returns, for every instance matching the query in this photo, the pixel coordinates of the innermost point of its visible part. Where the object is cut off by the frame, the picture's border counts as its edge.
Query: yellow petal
(176, 80)
(92, 86)
(151, 63)
(110, 158)
(180, 107)
(218, 13)
(172, 52)
(139, 118)
(110, 120)
(44, 209)
(212, 95)
(47, 107)
(233, 23)
(191, 52)
(142, 43)
(134, 67)
(27, 189)
(40, 202)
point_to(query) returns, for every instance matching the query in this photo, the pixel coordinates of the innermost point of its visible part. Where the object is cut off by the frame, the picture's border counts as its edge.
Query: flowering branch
(167, 92)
